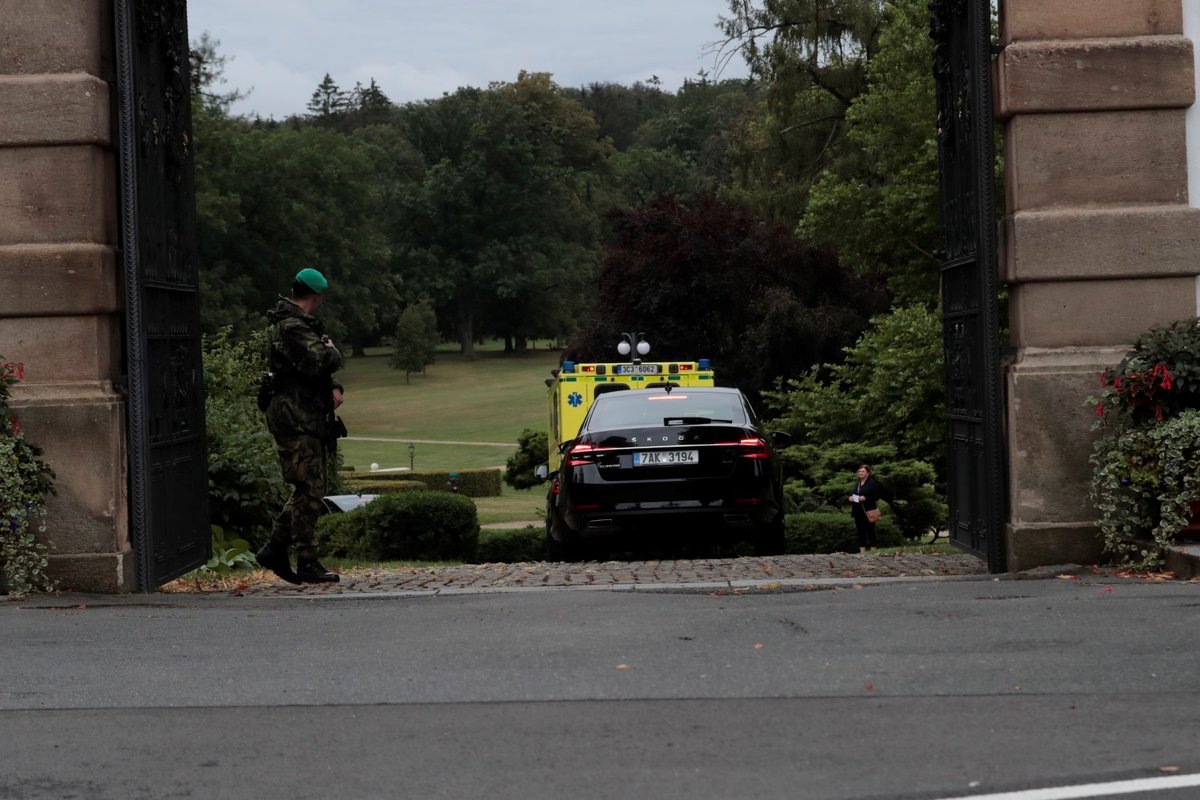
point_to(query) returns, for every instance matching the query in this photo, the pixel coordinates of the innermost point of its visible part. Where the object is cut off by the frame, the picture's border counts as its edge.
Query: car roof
(652, 390)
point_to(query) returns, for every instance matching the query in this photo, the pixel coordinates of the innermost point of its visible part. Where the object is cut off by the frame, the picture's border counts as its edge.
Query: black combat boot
(309, 570)
(274, 557)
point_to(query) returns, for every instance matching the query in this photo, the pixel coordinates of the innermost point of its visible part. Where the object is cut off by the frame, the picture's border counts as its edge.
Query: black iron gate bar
(168, 516)
(962, 34)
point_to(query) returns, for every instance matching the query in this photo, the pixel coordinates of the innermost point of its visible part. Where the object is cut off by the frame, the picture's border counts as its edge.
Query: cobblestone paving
(711, 574)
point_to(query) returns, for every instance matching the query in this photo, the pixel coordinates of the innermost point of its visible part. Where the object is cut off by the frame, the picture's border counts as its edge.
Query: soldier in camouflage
(299, 399)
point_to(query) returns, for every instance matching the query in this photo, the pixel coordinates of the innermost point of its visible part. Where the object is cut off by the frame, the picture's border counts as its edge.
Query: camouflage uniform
(301, 405)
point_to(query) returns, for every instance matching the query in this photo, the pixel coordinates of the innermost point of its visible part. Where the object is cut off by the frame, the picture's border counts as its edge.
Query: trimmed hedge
(369, 486)
(833, 532)
(471, 482)
(511, 545)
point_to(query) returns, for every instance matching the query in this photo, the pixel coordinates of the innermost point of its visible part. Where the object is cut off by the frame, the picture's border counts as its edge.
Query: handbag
(873, 515)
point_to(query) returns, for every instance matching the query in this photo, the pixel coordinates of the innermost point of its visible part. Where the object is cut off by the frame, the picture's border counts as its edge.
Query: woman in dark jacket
(863, 498)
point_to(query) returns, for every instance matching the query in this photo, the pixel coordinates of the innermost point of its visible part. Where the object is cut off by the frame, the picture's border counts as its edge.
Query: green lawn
(486, 402)
(514, 505)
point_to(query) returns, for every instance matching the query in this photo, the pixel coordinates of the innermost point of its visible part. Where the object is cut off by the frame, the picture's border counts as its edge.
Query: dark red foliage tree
(707, 279)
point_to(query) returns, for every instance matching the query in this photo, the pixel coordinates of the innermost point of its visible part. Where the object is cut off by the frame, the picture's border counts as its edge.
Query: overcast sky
(418, 49)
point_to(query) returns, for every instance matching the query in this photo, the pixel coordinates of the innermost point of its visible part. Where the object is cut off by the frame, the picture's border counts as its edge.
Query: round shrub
(345, 535)
(421, 526)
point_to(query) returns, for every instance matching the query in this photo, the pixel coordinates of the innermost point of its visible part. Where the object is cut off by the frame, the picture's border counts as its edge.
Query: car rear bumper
(672, 519)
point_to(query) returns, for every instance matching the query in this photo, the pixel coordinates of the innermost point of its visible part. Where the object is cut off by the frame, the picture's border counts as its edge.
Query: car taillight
(753, 447)
(582, 454)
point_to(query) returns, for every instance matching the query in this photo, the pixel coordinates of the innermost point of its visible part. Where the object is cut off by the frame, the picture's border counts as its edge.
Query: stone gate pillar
(60, 298)
(1100, 242)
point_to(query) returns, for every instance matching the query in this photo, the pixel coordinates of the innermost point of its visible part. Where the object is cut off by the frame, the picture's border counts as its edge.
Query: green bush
(245, 485)
(919, 507)
(890, 389)
(1146, 458)
(369, 486)
(511, 546)
(1157, 378)
(820, 479)
(422, 526)
(532, 452)
(833, 532)
(25, 483)
(345, 535)
(1145, 480)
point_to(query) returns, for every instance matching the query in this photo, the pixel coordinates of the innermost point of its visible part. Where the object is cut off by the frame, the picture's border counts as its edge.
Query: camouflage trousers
(302, 459)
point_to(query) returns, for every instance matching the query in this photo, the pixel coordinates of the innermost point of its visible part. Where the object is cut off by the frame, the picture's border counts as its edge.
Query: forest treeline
(761, 222)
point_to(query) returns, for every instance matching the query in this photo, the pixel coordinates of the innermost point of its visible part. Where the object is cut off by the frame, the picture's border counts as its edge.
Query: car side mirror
(542, 472)
(781, 438)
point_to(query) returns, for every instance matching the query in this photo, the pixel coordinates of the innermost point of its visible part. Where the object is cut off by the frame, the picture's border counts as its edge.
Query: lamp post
(412, 450)
(634, 346)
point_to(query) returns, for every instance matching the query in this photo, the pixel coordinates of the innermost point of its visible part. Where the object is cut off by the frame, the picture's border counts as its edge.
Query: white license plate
(663, 458)
(639, 369)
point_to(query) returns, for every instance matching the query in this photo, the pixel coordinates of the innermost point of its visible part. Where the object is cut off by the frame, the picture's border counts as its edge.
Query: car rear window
(643, 408)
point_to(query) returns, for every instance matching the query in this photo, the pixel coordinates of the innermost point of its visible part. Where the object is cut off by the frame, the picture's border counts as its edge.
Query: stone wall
(1099, 243)
(60, 308)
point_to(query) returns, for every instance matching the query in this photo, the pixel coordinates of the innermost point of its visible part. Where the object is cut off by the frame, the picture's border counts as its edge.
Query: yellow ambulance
(574, 386)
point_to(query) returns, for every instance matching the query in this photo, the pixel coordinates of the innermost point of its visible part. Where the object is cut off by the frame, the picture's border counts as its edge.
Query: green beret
(313, 280)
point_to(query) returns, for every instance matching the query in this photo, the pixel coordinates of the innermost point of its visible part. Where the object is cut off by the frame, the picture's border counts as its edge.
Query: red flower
(1163, 374)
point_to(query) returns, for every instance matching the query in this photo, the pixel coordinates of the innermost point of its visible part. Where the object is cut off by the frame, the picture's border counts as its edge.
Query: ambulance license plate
(638, 369)
(665, 458)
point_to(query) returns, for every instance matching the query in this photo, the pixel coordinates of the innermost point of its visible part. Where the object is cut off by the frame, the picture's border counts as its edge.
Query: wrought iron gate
(962, 65)
(168, 474)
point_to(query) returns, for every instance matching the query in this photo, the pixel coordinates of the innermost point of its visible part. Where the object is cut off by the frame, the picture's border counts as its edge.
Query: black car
(652, 464)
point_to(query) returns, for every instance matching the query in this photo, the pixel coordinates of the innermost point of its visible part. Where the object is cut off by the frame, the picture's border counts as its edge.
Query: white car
(337, 503)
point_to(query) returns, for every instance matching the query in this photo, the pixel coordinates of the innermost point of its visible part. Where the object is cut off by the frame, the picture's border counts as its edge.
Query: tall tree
(414, 344)
(812, 57)
(880, 209)
(500, 231)
(328, 100)
(702, 124)
(208, 75)
(709, 279)
(226, 291)
(621, 111)
(303, 197)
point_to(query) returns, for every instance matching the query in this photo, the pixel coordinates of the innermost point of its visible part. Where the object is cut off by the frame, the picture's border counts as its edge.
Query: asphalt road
(925, 690)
